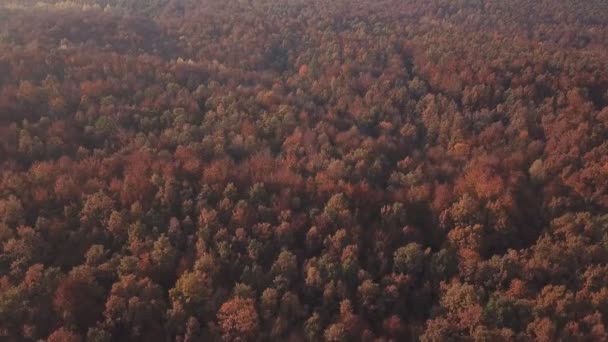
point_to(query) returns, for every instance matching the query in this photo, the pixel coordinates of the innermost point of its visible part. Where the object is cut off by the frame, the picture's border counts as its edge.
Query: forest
(303, 170)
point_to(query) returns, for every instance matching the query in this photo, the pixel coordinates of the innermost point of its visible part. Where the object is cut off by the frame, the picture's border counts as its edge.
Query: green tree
(409, 259)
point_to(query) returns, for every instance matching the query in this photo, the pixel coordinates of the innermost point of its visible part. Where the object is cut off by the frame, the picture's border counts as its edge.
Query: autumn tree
(238, 320)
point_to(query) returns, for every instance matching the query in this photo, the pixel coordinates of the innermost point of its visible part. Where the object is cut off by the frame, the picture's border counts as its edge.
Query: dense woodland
(304, 170)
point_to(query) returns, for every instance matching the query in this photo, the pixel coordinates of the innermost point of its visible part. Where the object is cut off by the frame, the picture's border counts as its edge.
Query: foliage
(393, 170)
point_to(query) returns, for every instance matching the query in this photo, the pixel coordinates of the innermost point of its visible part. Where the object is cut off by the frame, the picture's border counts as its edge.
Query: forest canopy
(303, 170)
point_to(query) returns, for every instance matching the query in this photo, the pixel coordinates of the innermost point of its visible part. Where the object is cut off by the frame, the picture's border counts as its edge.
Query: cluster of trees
(304, 170)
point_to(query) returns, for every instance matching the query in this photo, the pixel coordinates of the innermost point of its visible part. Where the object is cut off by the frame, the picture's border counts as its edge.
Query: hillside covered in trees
(304, 170)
